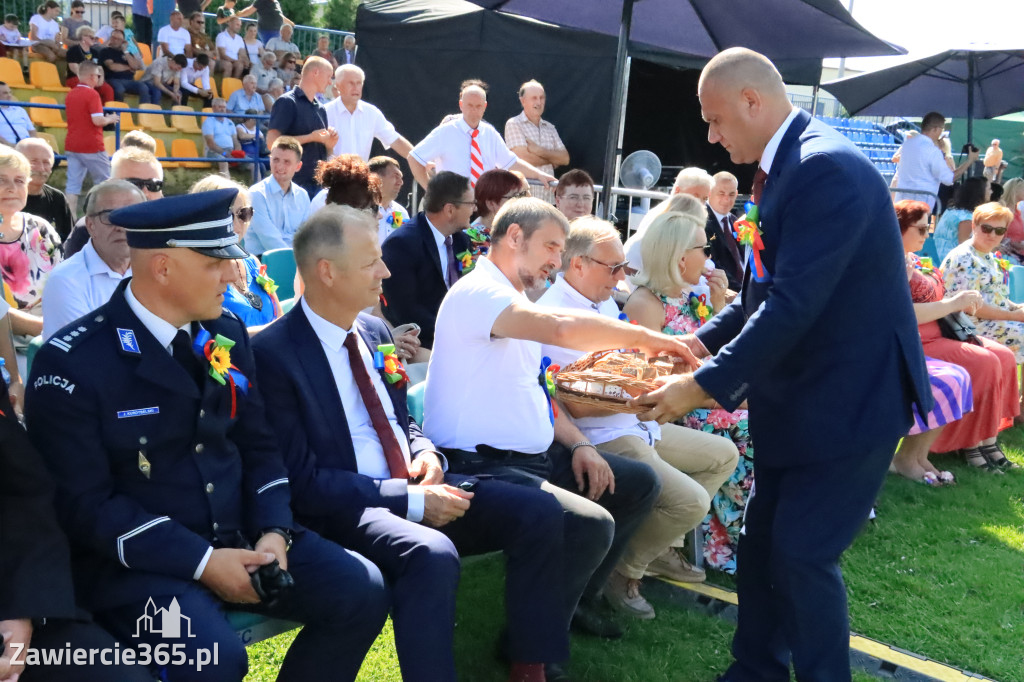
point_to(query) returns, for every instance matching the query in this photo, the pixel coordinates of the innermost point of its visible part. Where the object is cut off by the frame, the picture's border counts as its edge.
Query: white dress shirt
(356, 129)
(370, 460)
(481, 389)
(164, 333)
(189, 75)
(922, 167)
(448, 146)
(76, 287)
(598, 430)
(768, 155)
(442, 251)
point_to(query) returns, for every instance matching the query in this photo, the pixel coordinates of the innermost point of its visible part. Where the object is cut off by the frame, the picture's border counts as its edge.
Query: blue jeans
(267, 35)
(123, 85)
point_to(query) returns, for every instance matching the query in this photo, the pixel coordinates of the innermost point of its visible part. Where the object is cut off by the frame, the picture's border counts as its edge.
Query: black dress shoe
(588, 620)
(555, 672)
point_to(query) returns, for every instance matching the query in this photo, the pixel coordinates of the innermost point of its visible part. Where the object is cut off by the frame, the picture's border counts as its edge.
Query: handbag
(958, 326)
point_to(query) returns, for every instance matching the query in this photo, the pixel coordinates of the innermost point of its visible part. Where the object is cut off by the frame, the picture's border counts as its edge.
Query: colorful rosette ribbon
(546, 379)
(702, 310)
(466, 262)
(386, 361)
(395, 220)
(217, 351)
(748, 232)
(1004, 265)
(267, 282)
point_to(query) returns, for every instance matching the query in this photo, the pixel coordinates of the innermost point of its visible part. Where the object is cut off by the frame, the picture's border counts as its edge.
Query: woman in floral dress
(670, 298)
(29, 250)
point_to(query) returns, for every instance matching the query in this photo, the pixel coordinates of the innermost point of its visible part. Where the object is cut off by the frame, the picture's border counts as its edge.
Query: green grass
(939, 574)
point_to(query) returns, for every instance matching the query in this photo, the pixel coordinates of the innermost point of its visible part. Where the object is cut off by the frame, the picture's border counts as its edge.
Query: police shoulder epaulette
(71, 336)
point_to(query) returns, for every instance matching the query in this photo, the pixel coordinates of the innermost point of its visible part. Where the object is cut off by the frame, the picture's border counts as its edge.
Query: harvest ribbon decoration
(217, 351)
(267, 282)
(1004, 265)
(546, 379)
(395, 220)
(748, 232)
(700, 307)
(386, 361)
(466, 262)
(926, 266)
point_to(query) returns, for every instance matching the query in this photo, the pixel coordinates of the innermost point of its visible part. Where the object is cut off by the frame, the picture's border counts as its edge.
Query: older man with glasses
(86, 281)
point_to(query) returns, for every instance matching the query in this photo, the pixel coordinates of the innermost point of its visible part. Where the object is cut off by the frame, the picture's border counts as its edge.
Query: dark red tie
(759, 177)
(392, 450)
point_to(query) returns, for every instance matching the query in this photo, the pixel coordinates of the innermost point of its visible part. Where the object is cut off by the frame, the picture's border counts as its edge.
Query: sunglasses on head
(517, 195)
(988, 229)
(150, 185)
(244, 214)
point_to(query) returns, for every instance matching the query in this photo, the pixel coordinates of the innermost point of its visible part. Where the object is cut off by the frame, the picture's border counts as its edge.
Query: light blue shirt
(239, 102)
(276, 216)
(222, 130)
(15, 124)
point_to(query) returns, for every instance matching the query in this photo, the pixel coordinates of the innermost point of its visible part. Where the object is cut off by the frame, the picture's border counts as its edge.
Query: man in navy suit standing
(823, 344)
(365, 476)
(423, 255)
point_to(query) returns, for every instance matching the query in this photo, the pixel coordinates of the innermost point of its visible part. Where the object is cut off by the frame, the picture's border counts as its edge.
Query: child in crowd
(13, 42)
(246, 131)
(84, 143)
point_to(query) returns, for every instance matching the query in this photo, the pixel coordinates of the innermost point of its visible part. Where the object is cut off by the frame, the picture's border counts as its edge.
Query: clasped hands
(442, 503)
(227, 573)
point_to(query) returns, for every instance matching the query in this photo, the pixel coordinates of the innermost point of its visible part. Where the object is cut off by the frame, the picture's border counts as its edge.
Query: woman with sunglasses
(670, 298)
(251, 295)
(493, 189)
(955, 423)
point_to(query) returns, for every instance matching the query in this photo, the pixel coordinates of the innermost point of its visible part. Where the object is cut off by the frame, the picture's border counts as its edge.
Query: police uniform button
(199, 448)
(215, 526)
(202, 413)
(143, 440)
(209, 487)
(98, 318)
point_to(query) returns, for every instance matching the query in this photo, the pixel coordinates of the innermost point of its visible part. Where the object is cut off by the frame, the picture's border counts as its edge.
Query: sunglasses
(705, 247)
(923, 229)
(988, 229)
(615, 269)
(150, 185)
(244, 214)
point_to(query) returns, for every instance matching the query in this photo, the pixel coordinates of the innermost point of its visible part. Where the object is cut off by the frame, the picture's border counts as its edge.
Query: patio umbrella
(981, 80)
(779, 29)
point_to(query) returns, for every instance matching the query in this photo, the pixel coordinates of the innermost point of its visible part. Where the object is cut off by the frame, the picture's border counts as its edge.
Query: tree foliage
(340, 14)
(300, 11)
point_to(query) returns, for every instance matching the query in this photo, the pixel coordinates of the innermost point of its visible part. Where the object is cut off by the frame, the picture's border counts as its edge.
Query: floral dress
(966, 268)
(722, 526)
(26, 264)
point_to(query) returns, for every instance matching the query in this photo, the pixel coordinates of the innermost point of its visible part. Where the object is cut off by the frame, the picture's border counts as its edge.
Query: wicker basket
(609, 387)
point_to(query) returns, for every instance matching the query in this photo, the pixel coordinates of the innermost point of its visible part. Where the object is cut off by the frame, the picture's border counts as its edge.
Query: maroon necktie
(453, 265)
(759, 177)
(392, 450)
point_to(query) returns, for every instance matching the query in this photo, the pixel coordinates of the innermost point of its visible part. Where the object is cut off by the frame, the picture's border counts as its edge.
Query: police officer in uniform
(169, 484)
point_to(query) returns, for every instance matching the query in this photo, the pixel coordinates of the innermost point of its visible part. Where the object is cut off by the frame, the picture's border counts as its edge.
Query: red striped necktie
(476, 159)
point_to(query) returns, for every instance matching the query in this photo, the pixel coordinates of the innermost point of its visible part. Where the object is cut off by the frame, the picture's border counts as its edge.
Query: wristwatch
(283, 532)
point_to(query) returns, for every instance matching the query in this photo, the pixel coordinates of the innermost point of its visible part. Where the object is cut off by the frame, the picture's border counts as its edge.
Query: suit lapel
(318, 373)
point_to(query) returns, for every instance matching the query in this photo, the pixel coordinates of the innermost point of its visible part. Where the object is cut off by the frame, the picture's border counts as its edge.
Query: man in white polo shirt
(233, 58)
(467, 144)
(488, 412)
(86, 280)
(358, 122)
(690, 464)
(174, 37)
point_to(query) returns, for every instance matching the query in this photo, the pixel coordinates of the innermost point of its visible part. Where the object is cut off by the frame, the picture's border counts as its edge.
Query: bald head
(744, 101)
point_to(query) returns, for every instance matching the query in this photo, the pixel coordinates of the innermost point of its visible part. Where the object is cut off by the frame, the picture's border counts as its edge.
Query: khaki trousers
(691, 466)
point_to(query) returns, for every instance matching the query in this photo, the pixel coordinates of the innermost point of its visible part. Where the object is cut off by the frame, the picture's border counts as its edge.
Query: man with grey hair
(533, 139)
(86, 280)
(246, 98)
(45, 201)
(690, 464)
(373, 483)
(358, 122)
(488, 329)
(346, 54)
(726, 251)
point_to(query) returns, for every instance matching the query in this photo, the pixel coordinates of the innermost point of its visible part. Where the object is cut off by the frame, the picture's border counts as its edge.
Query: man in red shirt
(84, 144)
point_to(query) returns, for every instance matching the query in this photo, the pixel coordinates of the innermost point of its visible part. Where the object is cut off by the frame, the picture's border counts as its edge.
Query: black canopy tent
(417, 52)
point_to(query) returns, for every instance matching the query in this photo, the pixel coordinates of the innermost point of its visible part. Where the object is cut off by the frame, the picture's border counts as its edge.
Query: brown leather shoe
(673, 566)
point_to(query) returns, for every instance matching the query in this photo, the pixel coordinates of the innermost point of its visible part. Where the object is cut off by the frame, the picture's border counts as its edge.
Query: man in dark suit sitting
(423, 254)
(365, 476)
(795, 343)
(728, 254)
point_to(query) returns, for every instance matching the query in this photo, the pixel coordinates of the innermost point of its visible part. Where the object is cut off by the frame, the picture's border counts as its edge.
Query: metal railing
(304, 37)
(254, 160)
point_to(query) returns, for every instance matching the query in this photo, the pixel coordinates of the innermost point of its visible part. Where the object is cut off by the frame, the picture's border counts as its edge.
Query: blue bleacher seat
(414, 400)
(929, 251)
(33, 346)
(281, 268)
(1017, 284)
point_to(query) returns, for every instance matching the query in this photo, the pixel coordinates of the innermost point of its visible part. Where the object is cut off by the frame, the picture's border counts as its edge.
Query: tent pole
(814, 100)
(617, 108)
(970, 97)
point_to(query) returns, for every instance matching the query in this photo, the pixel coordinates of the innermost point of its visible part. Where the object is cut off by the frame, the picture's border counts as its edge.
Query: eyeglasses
(463, 202)
(923, 229)
(624, 265)
(585, 198)
(149, 185)
(103, 216)
(518, 195)
(988, 229)
(244, 214)
(705, 247)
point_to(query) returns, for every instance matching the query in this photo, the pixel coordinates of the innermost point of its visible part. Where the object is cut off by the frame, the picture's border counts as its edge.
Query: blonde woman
(670, 298)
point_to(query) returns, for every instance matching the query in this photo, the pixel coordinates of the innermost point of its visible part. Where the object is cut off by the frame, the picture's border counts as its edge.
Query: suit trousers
(594, 533)
(340, 596)
(792, 600)
(56, 635)
(691, 466)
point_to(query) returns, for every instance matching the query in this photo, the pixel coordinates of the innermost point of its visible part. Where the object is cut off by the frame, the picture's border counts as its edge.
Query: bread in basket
(609, 378)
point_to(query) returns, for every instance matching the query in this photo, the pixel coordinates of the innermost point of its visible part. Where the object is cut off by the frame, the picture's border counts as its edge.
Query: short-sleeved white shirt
(232, 45)
(76, 287)
(46, 29)
(598, 430)
(176, 39)
(483, 390)
(448, 146)
(357, 129)
(922, 167)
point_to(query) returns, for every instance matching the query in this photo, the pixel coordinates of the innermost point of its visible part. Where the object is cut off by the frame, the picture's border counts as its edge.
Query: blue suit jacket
(416, 287)
(828, 351)
(305, 411)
